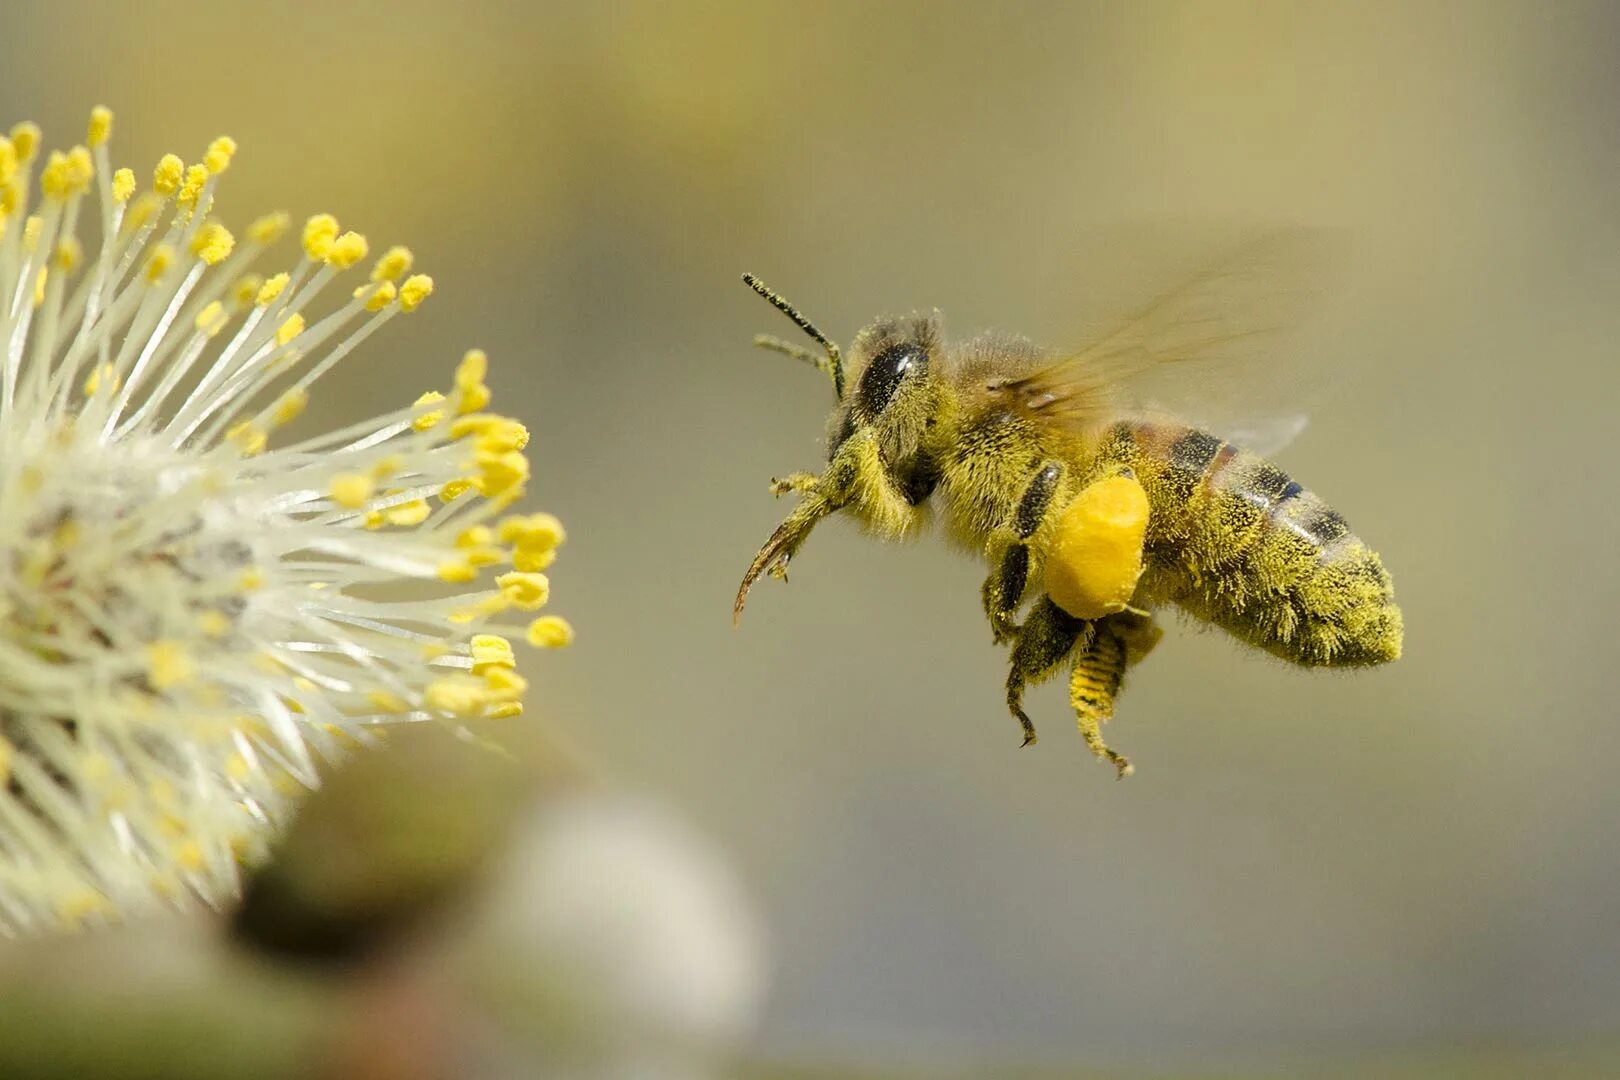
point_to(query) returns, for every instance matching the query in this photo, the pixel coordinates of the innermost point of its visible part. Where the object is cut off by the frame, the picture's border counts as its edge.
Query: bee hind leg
(1099, 674)
(1046, 637)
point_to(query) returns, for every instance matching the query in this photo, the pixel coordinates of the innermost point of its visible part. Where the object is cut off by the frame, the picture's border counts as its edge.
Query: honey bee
(1090, 509)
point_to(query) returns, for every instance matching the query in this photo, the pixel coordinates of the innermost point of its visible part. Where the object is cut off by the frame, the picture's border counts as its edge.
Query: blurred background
(1415, 864)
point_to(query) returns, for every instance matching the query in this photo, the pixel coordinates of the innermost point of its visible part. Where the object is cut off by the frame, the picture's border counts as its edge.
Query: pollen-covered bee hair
(1089, 510)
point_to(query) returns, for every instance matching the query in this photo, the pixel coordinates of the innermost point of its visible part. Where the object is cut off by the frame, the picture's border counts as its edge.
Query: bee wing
(1209, 352)
(1265, 433)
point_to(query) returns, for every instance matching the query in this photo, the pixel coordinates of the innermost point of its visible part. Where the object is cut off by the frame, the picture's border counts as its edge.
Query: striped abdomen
(1234, 540)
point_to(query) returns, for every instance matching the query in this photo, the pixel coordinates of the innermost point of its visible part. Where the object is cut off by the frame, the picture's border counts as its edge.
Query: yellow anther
(290, 329)
(496, 434)
(25, 137)
(248, 438)
(407, 514)
(374, 520)
(271, 289)
(53, 179)
(268, 229)
(428, 419)
(458, 697)
(388, 703)
(104, 374)
(220, 152)
(486, 556)
(502, 683)
(473, 369)
(214, 624)
(8, 160)
(457, 571)
(167, 665)
(196, 178)
(550, 632)
(81, 167)
(68, 254)
(395, 261)
(347, 250)
(540, 532)
(237, 768)
(168, 174)
(289, 406)
(39, 285)
(31, 230)
(250, 580)
(471, 398)
(527, 592)
(212, 319)
(503, 436)
(532, 561)
(188, 854)
(10, 199)
(123, 185)
(477, 536)
(158, 263)
(142, 210)
(500, 710)
(319, 233)
(417, 288)
(101, 119)
(80, 906)
(376, 297)
(212, 243)
(499, 473)
(66, 174)
(454, 490)
(491, 650)
(386, 467)
(352, 490)
(246, 290)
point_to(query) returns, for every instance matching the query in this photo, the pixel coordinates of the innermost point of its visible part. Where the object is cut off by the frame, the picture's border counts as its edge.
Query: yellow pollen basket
(1095, 557)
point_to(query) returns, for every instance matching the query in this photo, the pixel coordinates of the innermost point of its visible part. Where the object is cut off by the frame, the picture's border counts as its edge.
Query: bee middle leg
(1046, 637)
(1008, 552)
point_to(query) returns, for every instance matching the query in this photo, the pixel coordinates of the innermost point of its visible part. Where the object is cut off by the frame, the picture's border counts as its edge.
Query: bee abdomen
(1241, 543)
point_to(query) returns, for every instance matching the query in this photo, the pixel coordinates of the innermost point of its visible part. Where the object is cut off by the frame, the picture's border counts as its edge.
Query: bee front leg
(799, 483)
(1044, 640)
(1008, 552)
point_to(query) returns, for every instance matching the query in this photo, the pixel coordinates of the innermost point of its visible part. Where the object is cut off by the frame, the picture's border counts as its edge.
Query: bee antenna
(835, 362)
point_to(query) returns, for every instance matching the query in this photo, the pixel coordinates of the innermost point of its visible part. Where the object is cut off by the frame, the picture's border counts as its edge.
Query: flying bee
(1092, 510)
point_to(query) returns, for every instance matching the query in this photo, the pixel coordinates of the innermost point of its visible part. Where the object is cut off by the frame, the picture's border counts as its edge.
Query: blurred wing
(1209, 352)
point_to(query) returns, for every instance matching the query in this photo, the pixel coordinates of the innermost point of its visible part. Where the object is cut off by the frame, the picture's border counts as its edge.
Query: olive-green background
(1413, 859)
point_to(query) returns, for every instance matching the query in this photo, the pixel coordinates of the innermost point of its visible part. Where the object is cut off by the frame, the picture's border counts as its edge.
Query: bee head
(893, 401)
(891, 388)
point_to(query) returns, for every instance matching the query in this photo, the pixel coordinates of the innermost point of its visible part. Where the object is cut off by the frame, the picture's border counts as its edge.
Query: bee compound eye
(883, 375)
